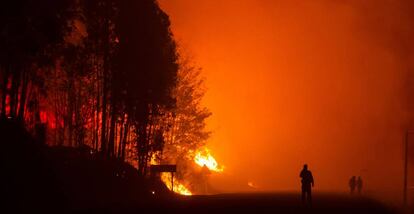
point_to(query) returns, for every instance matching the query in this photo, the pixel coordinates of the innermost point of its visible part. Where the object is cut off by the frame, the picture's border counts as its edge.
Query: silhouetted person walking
(205, 172)
(359, 184)
(307, 184)
(352, 184)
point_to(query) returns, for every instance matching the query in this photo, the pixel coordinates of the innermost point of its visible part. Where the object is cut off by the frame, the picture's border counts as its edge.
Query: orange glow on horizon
(292, 82)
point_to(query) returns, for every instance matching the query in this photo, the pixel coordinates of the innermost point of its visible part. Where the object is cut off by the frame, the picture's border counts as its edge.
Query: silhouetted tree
(148, 61)
(28, 40)
(187, 122)
(101, 73)
(100, 21)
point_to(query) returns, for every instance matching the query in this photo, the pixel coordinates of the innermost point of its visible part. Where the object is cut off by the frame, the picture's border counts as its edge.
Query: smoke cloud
(327, 83)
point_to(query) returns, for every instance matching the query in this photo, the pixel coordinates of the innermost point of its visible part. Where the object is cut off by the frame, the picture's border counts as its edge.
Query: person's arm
(312, 179)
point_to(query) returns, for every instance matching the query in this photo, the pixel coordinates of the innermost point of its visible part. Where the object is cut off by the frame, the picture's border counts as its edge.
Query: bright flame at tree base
(204, 157)
(178, 187)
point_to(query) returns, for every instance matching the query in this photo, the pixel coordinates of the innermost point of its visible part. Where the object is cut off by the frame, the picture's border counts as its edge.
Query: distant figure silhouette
(307, 184)
(352, 184)
(359, 184)
(205, 172)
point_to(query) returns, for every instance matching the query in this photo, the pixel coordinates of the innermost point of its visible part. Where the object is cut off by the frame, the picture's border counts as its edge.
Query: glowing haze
(322, 82)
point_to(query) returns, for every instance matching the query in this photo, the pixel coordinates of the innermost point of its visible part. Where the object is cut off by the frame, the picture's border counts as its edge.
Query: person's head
(305, 166)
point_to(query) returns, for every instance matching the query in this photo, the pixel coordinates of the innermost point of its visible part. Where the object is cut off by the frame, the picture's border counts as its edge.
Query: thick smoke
(329, 83)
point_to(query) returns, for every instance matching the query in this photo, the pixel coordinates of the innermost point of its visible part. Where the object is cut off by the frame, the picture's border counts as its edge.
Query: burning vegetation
(89, 79)
(204, 158)
(185, 140)
(202, 163)
(178, 187)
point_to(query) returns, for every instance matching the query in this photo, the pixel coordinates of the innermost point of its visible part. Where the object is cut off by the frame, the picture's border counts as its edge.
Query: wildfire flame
(178, 187)
(204, 157)
(252, 185)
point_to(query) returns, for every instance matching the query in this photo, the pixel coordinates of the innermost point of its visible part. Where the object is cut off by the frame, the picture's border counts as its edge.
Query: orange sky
(290, 82)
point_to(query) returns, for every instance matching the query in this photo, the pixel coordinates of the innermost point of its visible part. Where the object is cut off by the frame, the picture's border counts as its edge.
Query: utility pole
(405, 169)
(407, 133)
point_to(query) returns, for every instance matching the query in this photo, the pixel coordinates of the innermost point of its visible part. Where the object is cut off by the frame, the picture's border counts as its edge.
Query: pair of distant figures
(355, 183)
(308, 182)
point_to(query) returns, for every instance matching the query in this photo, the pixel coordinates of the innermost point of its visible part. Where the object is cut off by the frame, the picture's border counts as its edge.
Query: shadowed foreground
(39, 179)
(272, 203)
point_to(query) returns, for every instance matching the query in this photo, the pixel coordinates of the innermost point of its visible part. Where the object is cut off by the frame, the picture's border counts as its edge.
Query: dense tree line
(99, 73)
(187, 132)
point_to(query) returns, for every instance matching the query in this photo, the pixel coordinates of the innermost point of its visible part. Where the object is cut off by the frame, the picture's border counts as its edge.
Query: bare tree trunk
(70, 105)
(14, 94)
(105, 81)
(104, 101)
(96, 131)
(111, 140)
(4, 93)
(121, 136)
(124, 140)
(78, 120)
(142, 147)
(23, 96)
